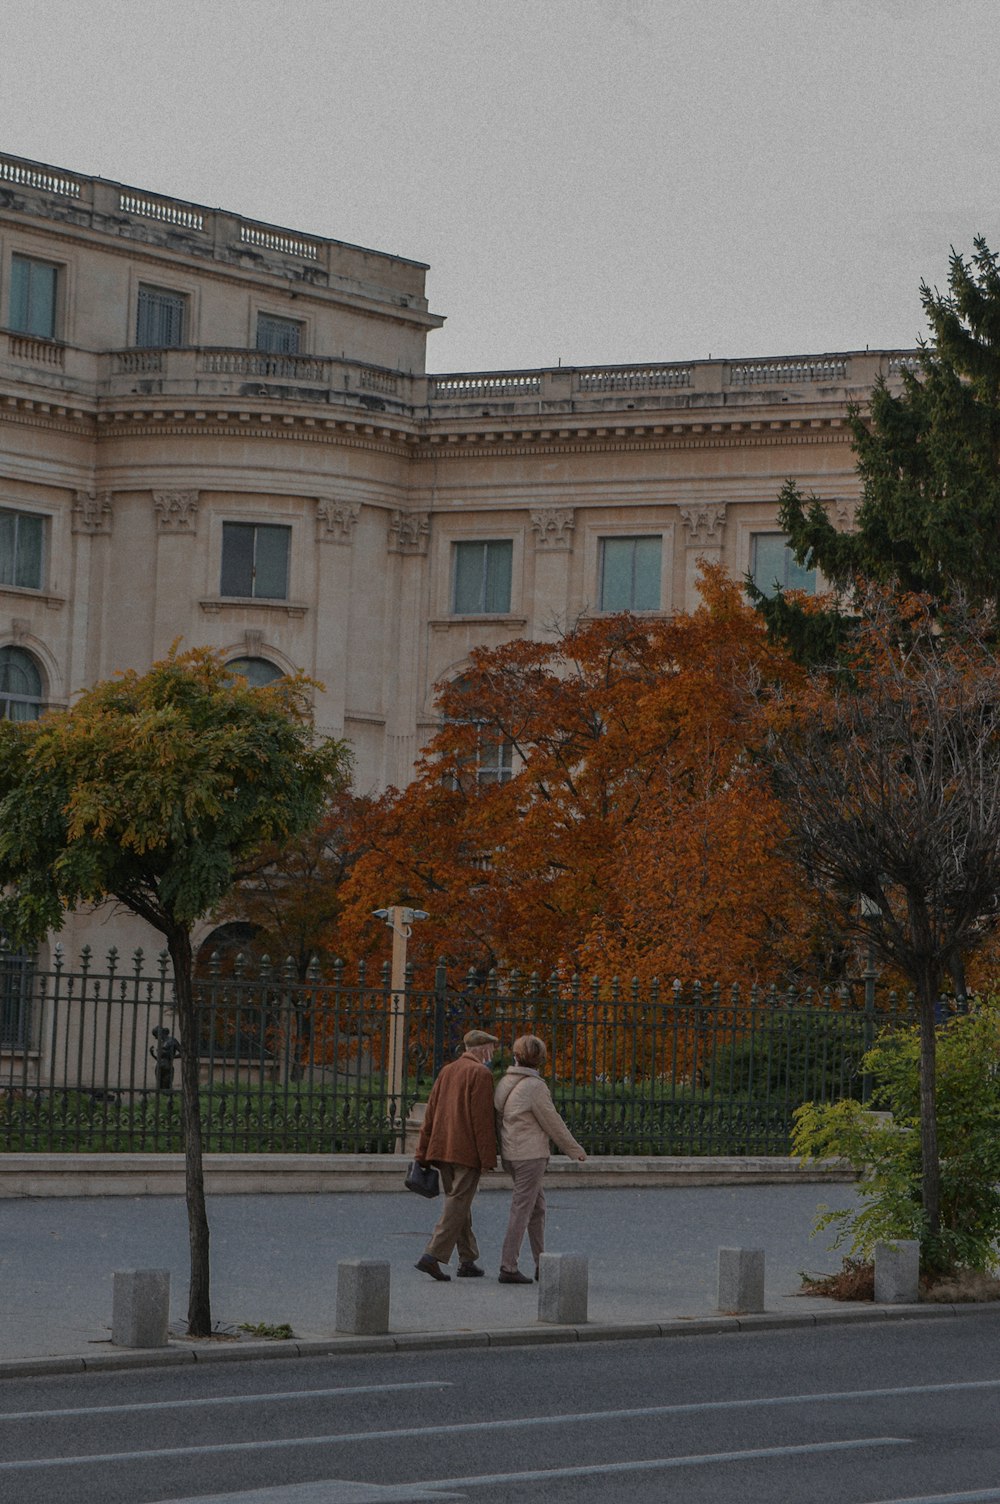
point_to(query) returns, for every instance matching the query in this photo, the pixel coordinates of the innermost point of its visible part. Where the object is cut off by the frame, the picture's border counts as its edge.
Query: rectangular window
(630, 574)
(482, 578)
(21, 540)
(494, 762)
(278, 336)
(773, 566)
(33, 297)
(255, 560)
(160, 321)
(16, 976)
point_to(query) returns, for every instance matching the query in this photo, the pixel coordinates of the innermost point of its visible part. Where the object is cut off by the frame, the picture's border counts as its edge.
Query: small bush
(887, 1152)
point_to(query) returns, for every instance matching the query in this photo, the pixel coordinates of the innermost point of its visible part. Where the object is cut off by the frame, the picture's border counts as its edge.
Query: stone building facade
(224, 432)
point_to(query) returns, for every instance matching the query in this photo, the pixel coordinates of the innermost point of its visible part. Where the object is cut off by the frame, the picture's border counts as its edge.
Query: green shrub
(795, 1055)
(887, 1152)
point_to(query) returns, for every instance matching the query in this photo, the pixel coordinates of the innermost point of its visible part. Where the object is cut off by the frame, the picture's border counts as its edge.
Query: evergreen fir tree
(929, 463)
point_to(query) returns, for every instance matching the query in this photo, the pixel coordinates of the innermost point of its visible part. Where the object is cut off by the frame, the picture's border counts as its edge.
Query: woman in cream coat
(527, 1120)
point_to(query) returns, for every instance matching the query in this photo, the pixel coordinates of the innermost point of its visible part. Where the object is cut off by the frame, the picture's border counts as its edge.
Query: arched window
(256, 671)
(20, 686)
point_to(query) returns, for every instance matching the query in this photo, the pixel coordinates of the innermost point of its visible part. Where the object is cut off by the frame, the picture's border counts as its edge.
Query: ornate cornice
(704, 524)
(176, 511)
(409, 532)
(553, 528)
(336, 521)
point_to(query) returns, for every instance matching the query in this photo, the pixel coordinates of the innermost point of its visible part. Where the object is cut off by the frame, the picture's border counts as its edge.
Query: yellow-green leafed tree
(157, 791)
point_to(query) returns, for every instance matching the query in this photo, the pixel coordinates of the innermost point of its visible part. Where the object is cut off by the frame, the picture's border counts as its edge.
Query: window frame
(23, 258)
(11, 651)
(229, 527)
(182, 301)
(788, 561)
(278, 320)
(19, 514)
(603, 540)
(482, 608)
(235, 666)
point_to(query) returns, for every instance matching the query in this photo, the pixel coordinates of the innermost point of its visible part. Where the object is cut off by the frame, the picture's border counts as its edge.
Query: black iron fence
(89, 1058)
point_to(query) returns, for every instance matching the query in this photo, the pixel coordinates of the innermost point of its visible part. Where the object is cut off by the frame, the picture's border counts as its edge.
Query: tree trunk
(930, 1163)
(199, 1303)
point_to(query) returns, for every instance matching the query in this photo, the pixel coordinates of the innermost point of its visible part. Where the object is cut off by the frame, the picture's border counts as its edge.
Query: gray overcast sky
(590, 180)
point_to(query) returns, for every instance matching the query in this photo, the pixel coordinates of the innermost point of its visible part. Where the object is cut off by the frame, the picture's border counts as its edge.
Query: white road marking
(978, 1496)
(692, 1407)
(224, 1399)
(597, 1469)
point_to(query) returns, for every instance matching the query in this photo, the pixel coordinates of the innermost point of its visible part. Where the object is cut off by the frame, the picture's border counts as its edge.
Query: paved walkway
(652, 1258)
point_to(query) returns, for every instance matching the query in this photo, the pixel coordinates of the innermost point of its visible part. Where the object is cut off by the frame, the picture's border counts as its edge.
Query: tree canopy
(590, 803)
(157, 791)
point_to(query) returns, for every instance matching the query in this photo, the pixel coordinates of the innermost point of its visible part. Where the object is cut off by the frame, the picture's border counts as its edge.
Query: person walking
(459, 1137)
(528, 1120)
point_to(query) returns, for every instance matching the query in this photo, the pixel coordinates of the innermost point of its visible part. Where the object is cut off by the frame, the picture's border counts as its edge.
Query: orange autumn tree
(591, 803)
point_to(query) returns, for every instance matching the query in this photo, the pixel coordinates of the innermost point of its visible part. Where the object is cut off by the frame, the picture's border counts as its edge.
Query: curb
(125, 1174)
(177, 1354)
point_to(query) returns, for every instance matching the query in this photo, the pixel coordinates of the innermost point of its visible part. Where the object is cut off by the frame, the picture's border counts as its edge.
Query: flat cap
(479, 1036)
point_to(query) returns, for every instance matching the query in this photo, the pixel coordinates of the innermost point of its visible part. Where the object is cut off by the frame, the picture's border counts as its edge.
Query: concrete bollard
(897, 1272)
(562, 1288)
(140, 1308)
(363, 1296)
(741, 1279)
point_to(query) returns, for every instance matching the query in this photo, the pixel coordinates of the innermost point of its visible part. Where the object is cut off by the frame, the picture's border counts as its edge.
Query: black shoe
(469, 1270)
(506, 1277)
(430, 1266)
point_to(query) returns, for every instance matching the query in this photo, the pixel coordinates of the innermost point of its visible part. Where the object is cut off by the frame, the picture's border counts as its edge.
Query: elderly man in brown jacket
(459, 1136)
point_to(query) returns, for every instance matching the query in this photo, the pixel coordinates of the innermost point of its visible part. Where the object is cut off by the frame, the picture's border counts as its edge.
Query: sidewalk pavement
(652, 1256)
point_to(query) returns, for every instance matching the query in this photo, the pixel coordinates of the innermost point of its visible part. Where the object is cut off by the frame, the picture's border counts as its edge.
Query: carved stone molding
(704, 524)
(176, 511)
(336, 521)
(553, 528)
(846, 513)
(253, 642)
(409, 532)
(93, 512)
(19, 629)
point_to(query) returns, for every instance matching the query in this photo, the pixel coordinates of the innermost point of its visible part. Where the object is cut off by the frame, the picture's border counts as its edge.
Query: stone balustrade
(135, 214)
(208, 371)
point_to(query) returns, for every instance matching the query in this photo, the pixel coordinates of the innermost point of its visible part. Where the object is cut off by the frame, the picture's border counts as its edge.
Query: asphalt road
(894, 1412)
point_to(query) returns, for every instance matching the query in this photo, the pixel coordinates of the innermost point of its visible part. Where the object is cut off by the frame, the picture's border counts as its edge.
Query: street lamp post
(400, 920)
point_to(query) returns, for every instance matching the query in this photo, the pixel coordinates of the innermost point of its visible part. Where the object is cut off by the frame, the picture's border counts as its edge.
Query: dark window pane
(255, 560)
(630, 574)
(483, 577)
(773, 566)
(21, 536)
(646, 587)
(499, 563)
(237, 558)
(271, 563)
(20, 686)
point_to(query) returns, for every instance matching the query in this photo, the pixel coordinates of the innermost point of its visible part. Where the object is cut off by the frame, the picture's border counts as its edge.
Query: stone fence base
(263, 1174)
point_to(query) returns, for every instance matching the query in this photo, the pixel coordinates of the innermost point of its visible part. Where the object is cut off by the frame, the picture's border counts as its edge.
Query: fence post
(440, 1003)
